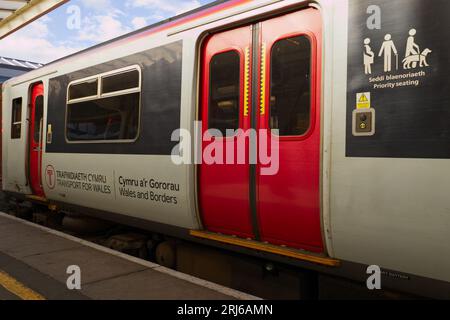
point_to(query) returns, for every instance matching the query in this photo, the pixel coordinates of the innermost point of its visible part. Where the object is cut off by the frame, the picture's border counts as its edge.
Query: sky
(80, 24)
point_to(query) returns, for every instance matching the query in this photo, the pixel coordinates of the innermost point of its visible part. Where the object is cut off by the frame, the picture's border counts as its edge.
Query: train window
(112, 115)
(120, 82)
(105, 119)
(224, 91)
(83, 90)
(290, 86)
(16, 118)
(38, 114)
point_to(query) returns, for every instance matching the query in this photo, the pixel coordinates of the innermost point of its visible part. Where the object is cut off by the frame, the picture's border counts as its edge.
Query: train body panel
(158, 192)
(376, 207)
(387, 211)
(14, 151)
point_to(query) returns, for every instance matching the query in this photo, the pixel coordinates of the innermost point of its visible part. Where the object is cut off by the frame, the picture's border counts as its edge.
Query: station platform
(34, 262)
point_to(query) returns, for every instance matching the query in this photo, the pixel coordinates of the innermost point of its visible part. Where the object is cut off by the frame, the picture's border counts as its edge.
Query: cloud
(103, 7)
(32, 43)
(39, 28)
(97, 5)
(173, 7)
(139, 22)
(101, 28)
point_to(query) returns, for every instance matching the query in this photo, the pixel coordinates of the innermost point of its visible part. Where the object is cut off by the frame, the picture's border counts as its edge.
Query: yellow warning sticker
(363, 100)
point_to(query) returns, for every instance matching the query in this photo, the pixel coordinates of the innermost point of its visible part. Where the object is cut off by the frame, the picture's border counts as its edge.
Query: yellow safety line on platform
(17, 288)
(292, 253)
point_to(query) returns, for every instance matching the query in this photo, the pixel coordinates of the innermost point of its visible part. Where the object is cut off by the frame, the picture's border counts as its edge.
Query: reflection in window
(38, 114)
(121, 81)
(83, 90)
(114, 118)
(16, 118)
(290, 86)
(224, 92)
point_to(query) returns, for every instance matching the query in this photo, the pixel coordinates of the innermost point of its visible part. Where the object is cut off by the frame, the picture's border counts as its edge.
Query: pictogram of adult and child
(413, 55)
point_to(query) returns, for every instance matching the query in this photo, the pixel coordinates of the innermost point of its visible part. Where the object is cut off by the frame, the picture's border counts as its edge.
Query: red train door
(279, 83)
(289, 201)
(35, 138)
(224, 191)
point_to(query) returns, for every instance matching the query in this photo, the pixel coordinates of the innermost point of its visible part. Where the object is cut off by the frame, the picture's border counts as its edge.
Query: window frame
(77, 82)
(241, 92)
(313, 85)
(119, 92)
(13, 123)
(99, 95)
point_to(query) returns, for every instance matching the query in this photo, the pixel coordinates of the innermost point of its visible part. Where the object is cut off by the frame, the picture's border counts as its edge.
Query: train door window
(38, 114)
(112, 115)
(224, 92)
(290, 86)
(16, 118)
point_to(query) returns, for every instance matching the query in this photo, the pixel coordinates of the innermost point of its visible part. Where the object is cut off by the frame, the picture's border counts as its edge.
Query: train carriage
(359, 125)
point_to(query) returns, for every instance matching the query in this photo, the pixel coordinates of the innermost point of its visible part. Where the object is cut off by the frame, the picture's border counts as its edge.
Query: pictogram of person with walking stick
(388, 48)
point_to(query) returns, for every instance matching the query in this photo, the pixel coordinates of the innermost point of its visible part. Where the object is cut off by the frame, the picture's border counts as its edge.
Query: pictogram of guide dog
(412, 60)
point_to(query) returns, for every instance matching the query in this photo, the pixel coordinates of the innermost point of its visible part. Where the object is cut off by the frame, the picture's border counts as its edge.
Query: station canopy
(14, 14)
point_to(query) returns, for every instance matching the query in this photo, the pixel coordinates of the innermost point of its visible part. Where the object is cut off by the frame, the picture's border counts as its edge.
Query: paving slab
(4, 222)
(94, 265)
(37, 281)
(149, 285)
(21, 241)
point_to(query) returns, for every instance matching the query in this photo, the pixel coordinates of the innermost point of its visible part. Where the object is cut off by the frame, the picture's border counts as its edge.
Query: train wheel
(166, 255)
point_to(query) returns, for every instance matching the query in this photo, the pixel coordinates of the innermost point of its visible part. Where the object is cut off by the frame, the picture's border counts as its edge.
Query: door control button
(363, 122)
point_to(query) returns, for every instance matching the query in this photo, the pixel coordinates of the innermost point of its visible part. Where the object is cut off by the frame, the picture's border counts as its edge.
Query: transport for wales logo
(50, 177)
